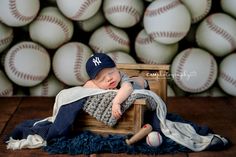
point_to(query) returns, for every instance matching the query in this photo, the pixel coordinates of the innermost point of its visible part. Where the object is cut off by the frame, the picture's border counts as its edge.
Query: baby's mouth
(112, 84)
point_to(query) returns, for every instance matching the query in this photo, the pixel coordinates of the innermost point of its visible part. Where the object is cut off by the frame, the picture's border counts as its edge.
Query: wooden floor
(218, 113)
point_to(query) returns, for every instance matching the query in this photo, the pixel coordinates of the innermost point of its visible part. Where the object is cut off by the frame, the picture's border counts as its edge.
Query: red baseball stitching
(167, 34)
(123, 8)
(78, 62)
(82, 9)
(17, 14)
(45, 88)
(220, 31)
(146, 40)
(14, 69)
(115, 57)
(147, 61)
(162, 9)
(180, 70)
(116, 37)
(6, 92)
(6, 40)
(96, 48)
(196, 19)
(56, 21)
(228, 78)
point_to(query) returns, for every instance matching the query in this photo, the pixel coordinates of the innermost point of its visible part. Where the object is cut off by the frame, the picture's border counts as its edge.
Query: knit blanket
(100, 106)
(181, 133)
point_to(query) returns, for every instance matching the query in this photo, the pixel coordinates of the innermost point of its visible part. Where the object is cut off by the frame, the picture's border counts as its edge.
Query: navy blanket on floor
(89, 143)
(60, 139)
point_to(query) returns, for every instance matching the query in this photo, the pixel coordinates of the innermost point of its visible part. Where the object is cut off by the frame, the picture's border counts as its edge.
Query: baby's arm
(123, 93)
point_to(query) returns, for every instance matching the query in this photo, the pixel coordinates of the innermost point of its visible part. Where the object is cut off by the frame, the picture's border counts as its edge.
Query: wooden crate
(132, 119)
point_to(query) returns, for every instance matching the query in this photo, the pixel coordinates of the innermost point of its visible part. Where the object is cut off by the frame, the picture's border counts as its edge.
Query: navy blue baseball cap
(97, 62)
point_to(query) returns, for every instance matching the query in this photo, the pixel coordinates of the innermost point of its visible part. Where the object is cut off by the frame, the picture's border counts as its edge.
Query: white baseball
(50, 87)
(227, 74)
(123, 13)
(194, 70)
(228, 6)
(51, 28)
(6, 36)
(167, 21)
(92, 23)
(151, 52)
(154, 139)
(217, 34)
(109, 38)
(79, 9)
(18, 12)
(198, 9)
(69, 63)
(27, 64)
(121, 57)
(211, 92)
(6, 86)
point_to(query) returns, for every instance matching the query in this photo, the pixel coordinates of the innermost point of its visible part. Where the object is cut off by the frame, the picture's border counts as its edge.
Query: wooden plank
(30, 108)
(8, 106)
(143, 66)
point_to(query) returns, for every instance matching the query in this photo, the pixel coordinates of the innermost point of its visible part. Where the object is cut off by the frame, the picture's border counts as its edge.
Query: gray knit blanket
(100, 106)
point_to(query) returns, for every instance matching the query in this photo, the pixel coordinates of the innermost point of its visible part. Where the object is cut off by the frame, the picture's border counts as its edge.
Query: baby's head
(102, 70)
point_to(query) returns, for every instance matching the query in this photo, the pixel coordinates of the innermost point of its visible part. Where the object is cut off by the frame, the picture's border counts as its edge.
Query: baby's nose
(109, 78)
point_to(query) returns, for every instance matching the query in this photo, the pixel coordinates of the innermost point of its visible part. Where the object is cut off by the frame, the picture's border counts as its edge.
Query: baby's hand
(116, 112)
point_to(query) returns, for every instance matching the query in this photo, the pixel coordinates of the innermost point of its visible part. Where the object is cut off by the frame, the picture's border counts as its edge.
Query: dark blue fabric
(47, 130)
(89, 143)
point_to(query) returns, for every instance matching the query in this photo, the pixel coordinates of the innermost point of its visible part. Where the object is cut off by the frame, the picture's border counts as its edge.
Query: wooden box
(132, 119)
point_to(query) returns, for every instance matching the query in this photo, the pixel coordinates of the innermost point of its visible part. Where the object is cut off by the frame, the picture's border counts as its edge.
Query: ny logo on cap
(96, 61)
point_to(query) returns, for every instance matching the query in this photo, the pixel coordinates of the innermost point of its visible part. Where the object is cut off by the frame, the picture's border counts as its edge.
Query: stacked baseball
(45, 44)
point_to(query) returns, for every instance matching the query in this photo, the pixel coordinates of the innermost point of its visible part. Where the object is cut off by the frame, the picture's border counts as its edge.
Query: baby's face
(108, 78)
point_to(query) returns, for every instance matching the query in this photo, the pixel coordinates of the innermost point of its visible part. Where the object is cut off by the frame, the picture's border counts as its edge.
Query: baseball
(17, 13)
(154, 139)
(123, 13)
(27, 64)
(79, 9)
(227, 74)
(69, 63)
(6, 86)
(198, 9)
(6, 36)
(217, 34)
(167, 21)
(109, 38)
(151, 52)
(228, 6)
(50, 87)
(194, 70)
(121, 57)
(92, 23)
(51, 28)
